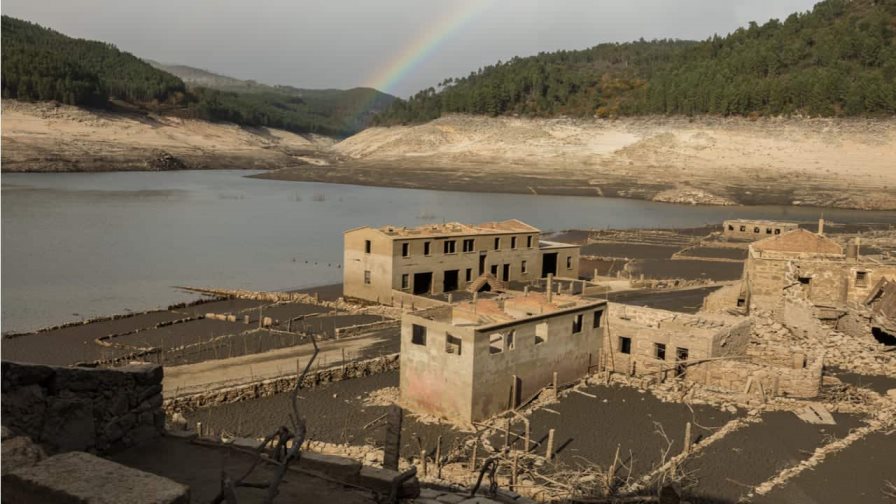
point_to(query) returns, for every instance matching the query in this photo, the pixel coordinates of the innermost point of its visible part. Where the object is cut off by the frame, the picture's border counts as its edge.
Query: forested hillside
(338, 111)
(40, 64)
(839, 59)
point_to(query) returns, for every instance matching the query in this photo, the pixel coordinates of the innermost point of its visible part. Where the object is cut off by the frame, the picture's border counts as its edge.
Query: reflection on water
(78, 245)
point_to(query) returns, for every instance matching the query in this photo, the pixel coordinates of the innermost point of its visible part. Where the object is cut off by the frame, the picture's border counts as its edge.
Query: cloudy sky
(399, 45)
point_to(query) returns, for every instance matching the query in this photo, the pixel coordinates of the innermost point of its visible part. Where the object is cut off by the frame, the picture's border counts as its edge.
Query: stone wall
(84, 409)
(274, 386)
(801, 379)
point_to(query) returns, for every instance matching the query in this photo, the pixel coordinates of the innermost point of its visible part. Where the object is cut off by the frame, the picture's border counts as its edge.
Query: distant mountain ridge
(839, 59)
(356, 107)
(40, 64)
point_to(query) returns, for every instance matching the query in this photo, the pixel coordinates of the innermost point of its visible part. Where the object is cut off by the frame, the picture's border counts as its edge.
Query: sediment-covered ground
(48, 138)
(818, 162)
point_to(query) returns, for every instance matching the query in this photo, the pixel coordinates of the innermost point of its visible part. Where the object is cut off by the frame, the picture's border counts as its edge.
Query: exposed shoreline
(827, 163)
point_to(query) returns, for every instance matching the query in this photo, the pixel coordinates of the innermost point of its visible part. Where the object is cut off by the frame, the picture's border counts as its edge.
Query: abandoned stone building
(438, 258)
(711, 349)
(471, 360)
(816, 266)
(746, 229)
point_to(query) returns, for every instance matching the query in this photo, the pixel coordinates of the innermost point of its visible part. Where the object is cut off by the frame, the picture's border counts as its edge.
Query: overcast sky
(347, 43)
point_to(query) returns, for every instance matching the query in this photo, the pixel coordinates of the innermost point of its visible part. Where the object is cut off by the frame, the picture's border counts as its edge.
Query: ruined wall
(569, 354)
(860, 288)
(433, 379)
(83, 409)
(802, 378)
(856, 325)
(723, 299)
(764, 279)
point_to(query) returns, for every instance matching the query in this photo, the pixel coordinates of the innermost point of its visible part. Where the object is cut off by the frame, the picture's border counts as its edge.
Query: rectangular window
(625, 345)
(509, 340)
(367, 277)
(405, 281)
(529, 241)
(756, 229)
(513, 242)
(495, 270)
(597, 316)
(577, 323)
(743, 229)
(405, 249)
(569, 262)
(468, 245)
(777, 231)
(541, 333)
(450, 246)
(497, 243)
(452, 344)
(366, 246)
(469, 274)
(426, 248)
(659, 351)
(418, 335)
(861, 278)
(496, 343)
(805, 280)
(730, 227)
(768, 230)
(524, 267)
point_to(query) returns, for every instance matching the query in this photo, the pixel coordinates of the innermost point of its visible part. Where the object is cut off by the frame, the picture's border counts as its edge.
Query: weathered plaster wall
(356, 261)
(433, 380)
(83, 409)
(570, 355)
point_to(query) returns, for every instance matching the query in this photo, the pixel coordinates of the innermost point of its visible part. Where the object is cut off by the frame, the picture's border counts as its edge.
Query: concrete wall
(378, 262)
(570, 355)
(755, 230)
(703, 337)
(83, 409)
(432, 380)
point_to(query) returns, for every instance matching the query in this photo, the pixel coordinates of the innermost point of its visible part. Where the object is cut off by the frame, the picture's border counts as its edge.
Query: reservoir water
(78, 245)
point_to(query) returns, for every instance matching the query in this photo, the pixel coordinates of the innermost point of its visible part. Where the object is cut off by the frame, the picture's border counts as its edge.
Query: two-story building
(439, 258)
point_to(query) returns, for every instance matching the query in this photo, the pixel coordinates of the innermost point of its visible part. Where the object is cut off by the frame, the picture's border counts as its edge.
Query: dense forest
(39, 64)
(839, 59)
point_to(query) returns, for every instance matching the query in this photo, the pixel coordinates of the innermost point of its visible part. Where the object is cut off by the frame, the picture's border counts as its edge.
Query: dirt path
(256, 367)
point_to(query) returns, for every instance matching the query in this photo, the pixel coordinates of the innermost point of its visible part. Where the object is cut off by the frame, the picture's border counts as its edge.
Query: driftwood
(284, 453)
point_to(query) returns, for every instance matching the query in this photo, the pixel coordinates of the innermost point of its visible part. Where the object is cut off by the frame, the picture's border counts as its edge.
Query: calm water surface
(85, 244)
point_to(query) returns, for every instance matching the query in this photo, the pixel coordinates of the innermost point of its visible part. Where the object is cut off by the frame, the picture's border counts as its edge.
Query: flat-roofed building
(439, 258)
(749, 229)
(471, 360)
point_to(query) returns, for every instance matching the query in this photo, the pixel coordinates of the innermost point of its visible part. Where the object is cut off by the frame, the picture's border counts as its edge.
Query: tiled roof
(799, 240)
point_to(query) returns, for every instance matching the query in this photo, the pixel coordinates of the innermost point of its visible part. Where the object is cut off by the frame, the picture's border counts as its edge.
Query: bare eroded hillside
(47, 137)
(825, 162)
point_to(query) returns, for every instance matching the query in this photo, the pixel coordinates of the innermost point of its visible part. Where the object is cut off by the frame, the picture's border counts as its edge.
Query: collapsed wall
(84, 409)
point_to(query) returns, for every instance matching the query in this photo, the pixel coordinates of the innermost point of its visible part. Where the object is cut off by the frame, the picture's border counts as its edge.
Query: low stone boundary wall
(344, 332)
(274, 386)
(83, 409)
(413, 302)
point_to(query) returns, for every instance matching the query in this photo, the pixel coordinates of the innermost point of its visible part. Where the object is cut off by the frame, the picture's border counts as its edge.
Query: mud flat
(737, 254)
(684, 300)
(588, 429)
(858, 473)
(731, 466)
(688, 269)
(629, 250)
(200, 468)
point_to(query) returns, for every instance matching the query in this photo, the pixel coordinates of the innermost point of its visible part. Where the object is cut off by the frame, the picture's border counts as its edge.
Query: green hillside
(340, 111)
(40, 64)
(839, 59)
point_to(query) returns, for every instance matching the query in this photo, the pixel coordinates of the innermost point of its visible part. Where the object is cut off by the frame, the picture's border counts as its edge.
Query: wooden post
(199, 429)
(514, 471)
(439, 457)
(549, 453)
(687, 437)
(554, 383)
(514, 392)
(392, 447)
(423, 461)
(473, 458)
(611, 472)
(507, 435)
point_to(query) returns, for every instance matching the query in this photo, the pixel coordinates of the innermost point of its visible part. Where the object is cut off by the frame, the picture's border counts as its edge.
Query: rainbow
(427, 41)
